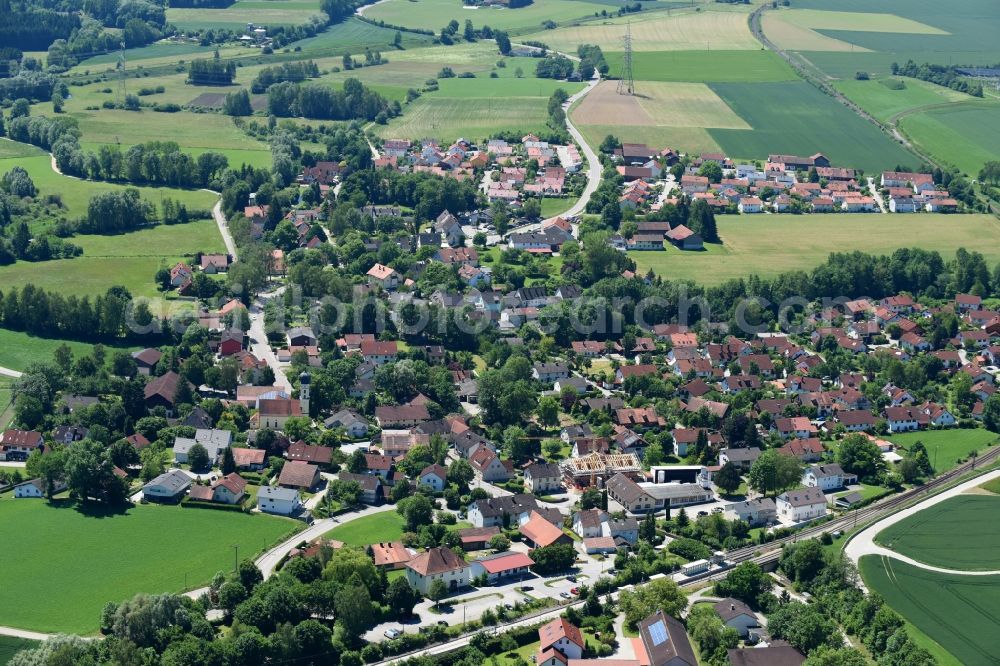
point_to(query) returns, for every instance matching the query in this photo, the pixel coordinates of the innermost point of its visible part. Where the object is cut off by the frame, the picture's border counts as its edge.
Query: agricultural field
(145, 549)
(945, 447)
(129, 260)
(241, 12)
(19, 350)
(957, 615)
(966, 135)
(770, 244)
(930, 536)
(795, 118)
(887, 97)
(722, 27)
(703, 66)
(373, 528)
(354, 35)
(6, 404)
(433, 14)
(9, 646)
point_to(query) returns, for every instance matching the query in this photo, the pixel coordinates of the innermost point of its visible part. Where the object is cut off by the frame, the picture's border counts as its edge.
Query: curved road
(593, 163)
(863, 543)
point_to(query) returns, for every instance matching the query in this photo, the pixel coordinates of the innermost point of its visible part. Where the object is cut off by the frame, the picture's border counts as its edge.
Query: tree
(401, 598)
(991, 413)
(357, 463)
(802, 561)
(548, 411)
(591, 498)
(553, 558)
(50, 467)
(728, 478)
(859, 455)
(499, 543)
(354, 609)
(437, 591)
(228, 461)
(416, 511)
(250, 576)
(90, 474)
(747, 582)
(804, 627)
(198, 458)
(461, 473)
(712, 170)
(660, 594)
(774, 472)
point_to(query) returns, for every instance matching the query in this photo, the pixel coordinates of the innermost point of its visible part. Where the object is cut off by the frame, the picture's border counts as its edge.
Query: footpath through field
(863, 543)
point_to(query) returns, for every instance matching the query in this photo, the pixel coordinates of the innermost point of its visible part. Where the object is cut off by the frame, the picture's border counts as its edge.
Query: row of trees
(288, 71)
(353, 101)
(211, 71)
(943, 75)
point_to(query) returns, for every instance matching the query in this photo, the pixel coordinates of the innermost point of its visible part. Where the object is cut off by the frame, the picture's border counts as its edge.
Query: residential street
(593, 163)
(259, 345)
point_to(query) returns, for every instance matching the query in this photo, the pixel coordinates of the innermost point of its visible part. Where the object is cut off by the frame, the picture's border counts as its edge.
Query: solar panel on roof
(658, 632)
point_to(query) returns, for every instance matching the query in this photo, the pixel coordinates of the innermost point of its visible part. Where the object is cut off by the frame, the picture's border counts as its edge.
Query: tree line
(288, 71)
(211, 72)
(353, 101)
(49, 313)
(942, 75)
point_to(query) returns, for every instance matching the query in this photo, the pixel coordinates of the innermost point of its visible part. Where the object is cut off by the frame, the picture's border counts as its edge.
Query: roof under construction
(601, 464)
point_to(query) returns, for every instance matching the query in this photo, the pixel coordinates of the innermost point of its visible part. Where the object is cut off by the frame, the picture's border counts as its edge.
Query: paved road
(864, 542)
(593, 163)
(223, 224)
(260, 346)
(873, 188)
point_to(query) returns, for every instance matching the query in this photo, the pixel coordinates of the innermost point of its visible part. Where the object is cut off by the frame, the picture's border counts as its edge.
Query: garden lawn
(956, 615)
(945, 447)
(795, 118)
(770, 244)
(19, 350)
(130, 260)
(61, 564)
(954, 534)
(9, 646)
(374, 528)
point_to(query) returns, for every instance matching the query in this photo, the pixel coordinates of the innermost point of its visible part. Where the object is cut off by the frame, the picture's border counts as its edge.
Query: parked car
(393, 633)
(718, 509)
(571, 579)
(565, 595)
(702, 513)
(526, 600)
(575, 590)
(509, 606)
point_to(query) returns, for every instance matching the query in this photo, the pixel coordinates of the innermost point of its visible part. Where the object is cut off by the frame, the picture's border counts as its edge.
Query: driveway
(863, 543)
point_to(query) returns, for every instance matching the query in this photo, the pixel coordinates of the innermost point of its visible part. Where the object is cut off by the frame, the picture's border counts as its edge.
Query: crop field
(930, 536)
(793, 37)
(237, 15)
(682, 30)
(945, 447)
(129, 260)
(863, 21)
(693, 139)
(966, 135)
(795, 118)
(703, 66)
(883, 102)
(354, 35)
(61, 564)
(770, 244)
(19, 350)
(375, 528)
(433, 14)
(958, 613)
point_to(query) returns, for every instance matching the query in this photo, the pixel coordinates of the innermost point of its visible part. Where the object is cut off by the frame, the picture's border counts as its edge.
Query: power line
(626, 82)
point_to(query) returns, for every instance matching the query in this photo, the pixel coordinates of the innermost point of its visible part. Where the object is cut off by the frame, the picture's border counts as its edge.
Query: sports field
(375, 528)
(241, 12)
(966, 136)
(880, 99)
(129, 260)
(703, 66)
(795, 118)
(960, 614)
(680, 30)
(771, 244)
(932, 535)
(60, 565)
(945, 447)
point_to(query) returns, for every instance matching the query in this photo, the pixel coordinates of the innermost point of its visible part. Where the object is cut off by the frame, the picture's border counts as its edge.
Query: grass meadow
(703, 66)
(375, 528)
(930, 536)
(129, 260)
(945, 447)
(770, 244)
(19, 350)
(794, 118)
(241, 12)
(883, 102)
(965, 135)
(62, 563)
(956, 616)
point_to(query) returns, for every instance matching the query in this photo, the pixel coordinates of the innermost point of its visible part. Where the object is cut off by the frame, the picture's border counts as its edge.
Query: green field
(241, 12)
(375, 528)
(882, 102)
(60, 565)
(795, 118)
(703, 66)
(19, 350)
(931, 535)
(6, 406)
(12, 149)
(433, 14)
(9, 646)
(129, 260)
(966, 135)
(958, 613)
(771, 244)
(945, 447)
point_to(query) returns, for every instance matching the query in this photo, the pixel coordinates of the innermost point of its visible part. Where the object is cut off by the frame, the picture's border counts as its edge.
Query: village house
(801, 504)
(278, 501)
(437, 564)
